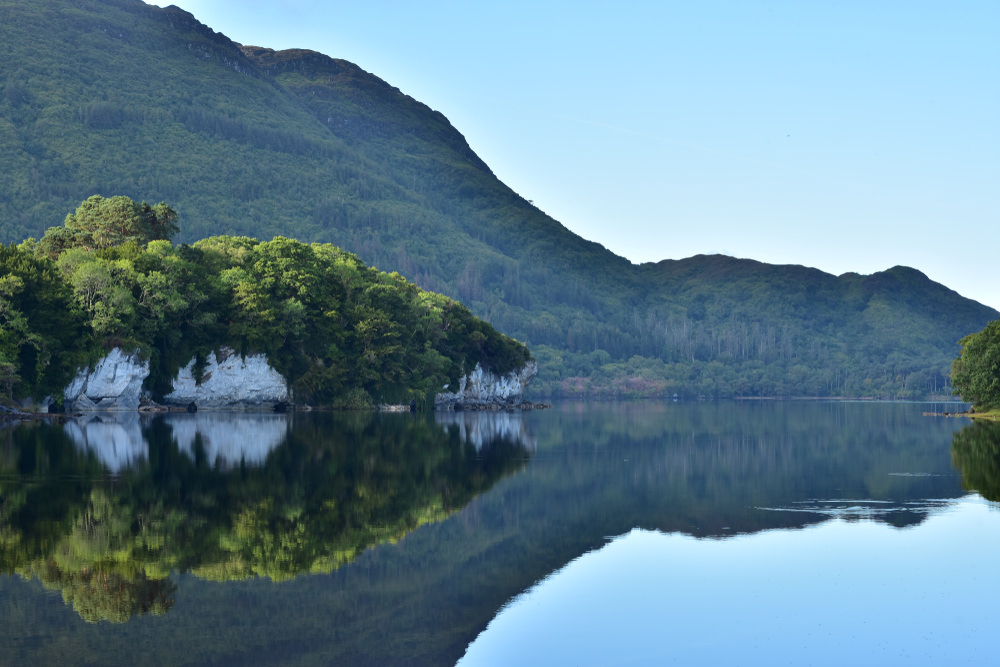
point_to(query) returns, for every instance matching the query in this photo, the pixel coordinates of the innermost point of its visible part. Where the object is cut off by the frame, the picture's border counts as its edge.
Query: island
(104, 312)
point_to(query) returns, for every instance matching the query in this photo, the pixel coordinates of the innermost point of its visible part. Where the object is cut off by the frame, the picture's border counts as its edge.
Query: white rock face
(482, 388)
(230, 381)
(115, 383)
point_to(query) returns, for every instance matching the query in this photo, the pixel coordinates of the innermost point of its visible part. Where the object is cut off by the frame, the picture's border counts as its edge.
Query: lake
(740, 533)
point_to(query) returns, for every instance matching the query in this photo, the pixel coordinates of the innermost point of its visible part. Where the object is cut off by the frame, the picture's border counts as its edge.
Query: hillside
(116, 97)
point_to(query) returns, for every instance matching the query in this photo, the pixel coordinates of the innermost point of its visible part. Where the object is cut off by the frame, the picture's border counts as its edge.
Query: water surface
(642, 533)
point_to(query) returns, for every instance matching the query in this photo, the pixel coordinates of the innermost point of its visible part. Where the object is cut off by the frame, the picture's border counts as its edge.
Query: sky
(847, 135)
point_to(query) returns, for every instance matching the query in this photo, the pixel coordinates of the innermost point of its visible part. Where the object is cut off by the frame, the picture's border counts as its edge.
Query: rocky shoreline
(230, 381)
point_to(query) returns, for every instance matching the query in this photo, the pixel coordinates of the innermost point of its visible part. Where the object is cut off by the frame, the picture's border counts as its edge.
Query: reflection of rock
(228, 439)
(484, 428)
(115, 383)
(118, 441)
(230, 381)
(115, 438)
(483, 388)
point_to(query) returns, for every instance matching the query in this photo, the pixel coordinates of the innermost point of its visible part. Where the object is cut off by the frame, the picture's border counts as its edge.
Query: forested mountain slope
(117, 97)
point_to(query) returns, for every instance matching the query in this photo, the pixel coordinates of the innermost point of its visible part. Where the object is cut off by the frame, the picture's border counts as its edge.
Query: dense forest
(975, 375)
(118, 97)
(342, 333)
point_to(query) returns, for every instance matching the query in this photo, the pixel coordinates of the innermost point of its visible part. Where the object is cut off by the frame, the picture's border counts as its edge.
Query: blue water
(757, 533)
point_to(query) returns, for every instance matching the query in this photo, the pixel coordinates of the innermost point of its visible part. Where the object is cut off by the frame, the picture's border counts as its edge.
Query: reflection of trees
(337, 485)
(975, 452)
(696, 468)
(99, 595)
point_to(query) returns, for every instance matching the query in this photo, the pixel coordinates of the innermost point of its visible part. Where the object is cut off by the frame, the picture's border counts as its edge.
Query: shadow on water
(342, 496)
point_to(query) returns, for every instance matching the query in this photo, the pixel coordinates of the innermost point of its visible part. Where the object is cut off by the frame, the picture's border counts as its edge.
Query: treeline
(598, 375)
(343, 333)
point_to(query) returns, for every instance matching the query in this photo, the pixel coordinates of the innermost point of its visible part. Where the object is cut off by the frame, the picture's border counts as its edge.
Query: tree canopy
(975, 375)
(101, 222)
(341, 332)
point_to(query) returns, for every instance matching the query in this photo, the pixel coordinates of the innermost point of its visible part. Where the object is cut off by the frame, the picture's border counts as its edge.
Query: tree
(975, 375)
(101, 222)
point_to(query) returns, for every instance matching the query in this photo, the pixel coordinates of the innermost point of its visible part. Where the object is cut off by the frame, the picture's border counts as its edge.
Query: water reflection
(975, 452)
(115, 438)
(227, 497)
(229, 440)
(119, 440)
(342, 495)
(482, 429)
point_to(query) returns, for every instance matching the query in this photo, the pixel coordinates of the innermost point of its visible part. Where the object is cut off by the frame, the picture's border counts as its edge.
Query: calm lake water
(739, 533)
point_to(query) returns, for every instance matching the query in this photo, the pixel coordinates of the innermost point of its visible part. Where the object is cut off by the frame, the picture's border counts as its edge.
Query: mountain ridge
(118, 97)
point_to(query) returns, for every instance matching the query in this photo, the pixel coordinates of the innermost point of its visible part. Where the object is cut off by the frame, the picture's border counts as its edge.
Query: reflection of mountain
(705, 469)
(226, 497)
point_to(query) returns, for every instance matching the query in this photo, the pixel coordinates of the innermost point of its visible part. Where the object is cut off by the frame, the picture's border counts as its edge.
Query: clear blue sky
(845, 135)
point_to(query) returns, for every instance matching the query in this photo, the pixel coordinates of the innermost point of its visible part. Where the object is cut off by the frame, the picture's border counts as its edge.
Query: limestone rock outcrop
(114, 383)
(484, 389)
(230, 381)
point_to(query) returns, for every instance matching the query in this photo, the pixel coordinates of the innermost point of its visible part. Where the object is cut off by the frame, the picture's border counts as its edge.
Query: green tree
(975, 375)
(101, 222)
(41, 332)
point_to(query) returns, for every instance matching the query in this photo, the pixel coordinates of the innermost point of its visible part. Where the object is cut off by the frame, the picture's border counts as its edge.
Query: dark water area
(585, 534)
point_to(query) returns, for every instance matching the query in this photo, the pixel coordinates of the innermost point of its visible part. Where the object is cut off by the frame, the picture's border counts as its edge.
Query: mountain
(116, 97)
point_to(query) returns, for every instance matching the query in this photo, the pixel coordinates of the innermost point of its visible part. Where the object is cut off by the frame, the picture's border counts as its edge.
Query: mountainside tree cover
(114, 96)
(340, 331)
(975, 375)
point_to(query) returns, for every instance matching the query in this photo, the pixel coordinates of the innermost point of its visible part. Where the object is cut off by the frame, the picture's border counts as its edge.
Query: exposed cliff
(484, 389)
(114, 383)
(230, 381)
